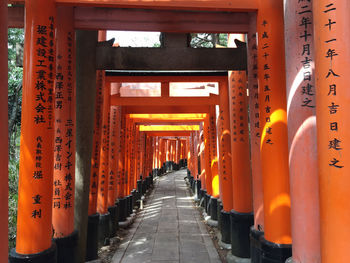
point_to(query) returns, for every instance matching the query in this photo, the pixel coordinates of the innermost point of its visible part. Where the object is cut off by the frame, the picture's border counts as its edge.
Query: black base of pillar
(225, 227)
(198, 189)
(220, 207)
(213, 208)
(103, 230)
(113, 222)
(129, 204)
(67, 248)
(274, 253)
(123, 209)
(207, 203)
(92, 237)
(49, 255)
(139, 188)
(240, 229)
(133, 198)
(203, 199)
(144, 187)
(255, 246)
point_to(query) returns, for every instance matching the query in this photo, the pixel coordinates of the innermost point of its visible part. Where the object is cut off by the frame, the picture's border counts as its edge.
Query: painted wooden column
(93, 216)
(3, 133)
(64, 139)
(242, 213)
(34, 228)
(255, 135)
(103, 176)
(213, 153)
(114, 134)
(274, 138)
(206, 153)
(202, 174)
(225, 162)
(95, 160)
(121, 188)
(301, 112)
(332, 63)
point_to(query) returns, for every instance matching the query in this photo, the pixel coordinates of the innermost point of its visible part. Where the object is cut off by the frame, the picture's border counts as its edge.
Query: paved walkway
(169, 229)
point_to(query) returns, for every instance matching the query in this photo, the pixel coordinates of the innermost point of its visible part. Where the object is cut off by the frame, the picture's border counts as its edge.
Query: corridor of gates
(103, 124)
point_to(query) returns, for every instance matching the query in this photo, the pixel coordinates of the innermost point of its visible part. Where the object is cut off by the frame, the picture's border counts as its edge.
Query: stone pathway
(169, 229)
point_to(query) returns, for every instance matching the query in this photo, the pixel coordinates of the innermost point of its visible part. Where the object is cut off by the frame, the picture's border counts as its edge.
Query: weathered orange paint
(96, 141)
(103, 176)
(121, 192)
(254, 114)
(302, 139)
(203, 172)
(114, 134)
(213, 153)
(231, 5)
(241, 176)
(64, 127)
(207, 156)
(34, 228)
(273, 121)
(3, 134)
(332, 63)
(224, 135)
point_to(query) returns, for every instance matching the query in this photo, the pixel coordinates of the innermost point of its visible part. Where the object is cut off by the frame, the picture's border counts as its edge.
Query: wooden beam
(145, 79)
(225, 5)
(166, 101)
(160, 20)
(140, 109)
(169, 128)
(169, 133)
(166, 122)
(92, 18)
(15, 16)
(112, 58)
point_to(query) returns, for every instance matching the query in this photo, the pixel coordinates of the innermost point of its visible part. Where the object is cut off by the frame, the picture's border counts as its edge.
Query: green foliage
(15, 74)
(207, 40)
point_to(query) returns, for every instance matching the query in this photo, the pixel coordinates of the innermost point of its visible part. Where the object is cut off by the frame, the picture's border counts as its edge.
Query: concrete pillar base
(67, 248)
(103, 230)
(49, 255)
(198, 189)
(113, 222)
(225, 227)
(233, 259)
(122, 209)
(223, 244)
(139, 189)
(274, 253)
(255, 246)
(92, 237)
(240, 230)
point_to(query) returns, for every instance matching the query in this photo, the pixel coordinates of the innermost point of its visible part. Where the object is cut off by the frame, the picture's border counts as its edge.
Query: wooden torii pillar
(276, 242)
(242, 213)
(255, 135)
(93, 216)
(64, 140)
(3, 133)
(332, 63)
(34, 223)
(302, 137)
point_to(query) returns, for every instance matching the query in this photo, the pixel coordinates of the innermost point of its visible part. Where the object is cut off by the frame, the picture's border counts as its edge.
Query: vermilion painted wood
(273, 119)
(34, 220)
(332, 54)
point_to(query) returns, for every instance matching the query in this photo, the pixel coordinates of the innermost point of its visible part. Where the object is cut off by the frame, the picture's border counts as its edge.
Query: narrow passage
(169, 229)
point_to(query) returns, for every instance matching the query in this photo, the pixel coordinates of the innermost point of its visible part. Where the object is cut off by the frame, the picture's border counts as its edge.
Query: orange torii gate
(273, 235)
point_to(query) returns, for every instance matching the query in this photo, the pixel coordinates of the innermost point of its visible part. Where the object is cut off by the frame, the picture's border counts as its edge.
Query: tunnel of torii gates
(281, 183)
